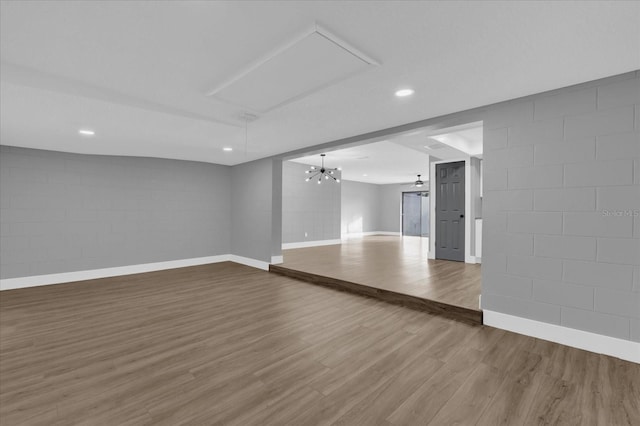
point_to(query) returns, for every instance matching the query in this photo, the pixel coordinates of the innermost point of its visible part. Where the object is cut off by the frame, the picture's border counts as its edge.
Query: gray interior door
(450, 211)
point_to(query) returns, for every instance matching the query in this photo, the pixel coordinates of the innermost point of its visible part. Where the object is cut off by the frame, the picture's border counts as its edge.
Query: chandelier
(321, 172)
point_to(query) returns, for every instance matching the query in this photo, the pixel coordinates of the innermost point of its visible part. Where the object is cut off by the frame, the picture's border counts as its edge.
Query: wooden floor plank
(229, 344)
(421, 406)
(468, 403)
(397, 264)
(393, 269)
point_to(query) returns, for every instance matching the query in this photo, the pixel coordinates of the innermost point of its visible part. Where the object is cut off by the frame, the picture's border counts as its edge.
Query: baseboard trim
(254, 263)
(619, 348)
(65, 277)
(367, 234)
(303, 244)
(276, 260)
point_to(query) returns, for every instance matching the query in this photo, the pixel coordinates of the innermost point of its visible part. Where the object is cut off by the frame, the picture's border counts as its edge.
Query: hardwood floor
(232, 345)
(459, 313)
(397, 264)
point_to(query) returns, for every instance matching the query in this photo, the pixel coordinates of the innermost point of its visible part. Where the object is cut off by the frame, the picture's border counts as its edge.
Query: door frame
(467, 207)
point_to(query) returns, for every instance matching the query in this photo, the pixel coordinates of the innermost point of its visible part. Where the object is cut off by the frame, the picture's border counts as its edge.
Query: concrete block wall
(310, 212)
(561, 207)
(62, 212)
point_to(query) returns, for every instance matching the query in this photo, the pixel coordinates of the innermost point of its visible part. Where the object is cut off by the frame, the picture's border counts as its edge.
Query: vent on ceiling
(309, 62)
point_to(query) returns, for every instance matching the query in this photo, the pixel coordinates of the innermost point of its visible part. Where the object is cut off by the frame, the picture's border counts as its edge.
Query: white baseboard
(619, 348)
(276, 260)
(303, 244)
(254, 263)
(65, 277)
(367, 234)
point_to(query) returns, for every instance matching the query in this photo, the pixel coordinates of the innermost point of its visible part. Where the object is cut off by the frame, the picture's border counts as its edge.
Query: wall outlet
(305, 235)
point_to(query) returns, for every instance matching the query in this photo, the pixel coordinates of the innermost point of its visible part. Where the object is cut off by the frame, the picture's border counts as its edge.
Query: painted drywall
(391, 207)
(561, 208)
(65, 212)
(310, 212)
(425, 224)
(374, 208)
(475, 201)
(276, 212)
(361, 204)
(252, 213)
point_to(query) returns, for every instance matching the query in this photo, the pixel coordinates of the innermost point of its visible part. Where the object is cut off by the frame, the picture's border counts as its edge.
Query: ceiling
(141, 74)
(400, 158)
(380, 163)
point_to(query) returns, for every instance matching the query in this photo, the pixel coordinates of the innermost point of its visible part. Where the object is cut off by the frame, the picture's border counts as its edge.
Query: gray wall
(252, 219)
(361, 205)
(276, 209)
(391, 207)
(65, 212)
(308, 207)
(561, 240)
(476, 201)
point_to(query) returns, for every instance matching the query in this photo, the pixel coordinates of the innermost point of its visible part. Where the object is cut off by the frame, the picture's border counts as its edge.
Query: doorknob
(461, 215)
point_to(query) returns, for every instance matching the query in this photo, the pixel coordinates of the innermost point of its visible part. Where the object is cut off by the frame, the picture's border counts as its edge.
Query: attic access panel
(314, 61)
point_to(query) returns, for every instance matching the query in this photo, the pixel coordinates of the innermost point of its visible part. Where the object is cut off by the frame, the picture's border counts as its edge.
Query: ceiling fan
(419, 183)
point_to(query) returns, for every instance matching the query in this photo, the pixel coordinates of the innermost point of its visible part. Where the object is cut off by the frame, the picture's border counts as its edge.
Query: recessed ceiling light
(365, 174)
(404, 92)
(227, 148)
(86, 132)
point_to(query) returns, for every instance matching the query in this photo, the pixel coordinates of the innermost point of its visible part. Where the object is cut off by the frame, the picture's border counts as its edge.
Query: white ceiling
(400, 158)
(380, 163)
(297, 69)
(138, 73)
(468, 140)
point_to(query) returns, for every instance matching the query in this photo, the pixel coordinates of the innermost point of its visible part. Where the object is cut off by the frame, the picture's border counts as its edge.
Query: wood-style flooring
(227, 344)
(395, 264)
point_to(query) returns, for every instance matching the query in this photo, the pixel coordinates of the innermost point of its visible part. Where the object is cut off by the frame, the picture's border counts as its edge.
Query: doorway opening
(379, 226)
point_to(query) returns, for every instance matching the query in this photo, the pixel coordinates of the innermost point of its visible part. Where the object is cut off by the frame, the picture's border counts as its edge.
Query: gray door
(450, 211)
